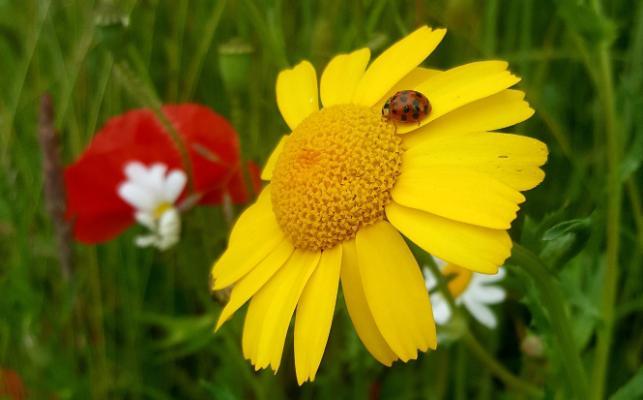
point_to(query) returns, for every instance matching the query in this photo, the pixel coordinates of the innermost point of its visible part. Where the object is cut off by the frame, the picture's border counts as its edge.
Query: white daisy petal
(155, 177)
(136, 171)
(429, 279)
(146, 219)
(480, 312)
(479, 292)
(169, 229)
(149, 190)
(174, 185)
(145, 240)
(441, 309)
(136, 196)
(169, 223)
(490, 294)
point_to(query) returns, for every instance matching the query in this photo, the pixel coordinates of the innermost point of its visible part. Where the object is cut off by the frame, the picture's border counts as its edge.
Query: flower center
(335, 175)
(160, 209)
(458, 279)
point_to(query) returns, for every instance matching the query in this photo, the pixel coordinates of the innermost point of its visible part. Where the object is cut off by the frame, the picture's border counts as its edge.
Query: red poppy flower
(11, 386)
(133, 170)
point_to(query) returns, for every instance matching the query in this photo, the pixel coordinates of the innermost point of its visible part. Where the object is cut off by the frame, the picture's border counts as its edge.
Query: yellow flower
(346, 181)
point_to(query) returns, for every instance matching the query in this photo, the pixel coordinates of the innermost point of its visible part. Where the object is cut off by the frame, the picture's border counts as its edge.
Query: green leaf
(633, 389)
(565, 240)
(571, 226)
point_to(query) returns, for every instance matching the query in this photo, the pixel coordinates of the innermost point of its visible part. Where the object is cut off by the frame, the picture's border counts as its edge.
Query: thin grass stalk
(552, 299)
(614, 193)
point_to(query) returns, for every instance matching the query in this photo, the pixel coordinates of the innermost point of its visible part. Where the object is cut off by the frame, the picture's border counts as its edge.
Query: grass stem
(553, 300)
(605, 87)
(497, 369)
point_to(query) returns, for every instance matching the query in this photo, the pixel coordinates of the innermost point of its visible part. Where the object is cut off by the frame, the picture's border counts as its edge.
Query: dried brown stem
(54, 184)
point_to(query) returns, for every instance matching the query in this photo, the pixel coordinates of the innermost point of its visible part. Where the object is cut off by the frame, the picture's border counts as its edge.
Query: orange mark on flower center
(307, 157)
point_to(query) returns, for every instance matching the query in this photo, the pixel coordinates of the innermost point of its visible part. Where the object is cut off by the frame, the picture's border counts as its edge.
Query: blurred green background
(137, 324)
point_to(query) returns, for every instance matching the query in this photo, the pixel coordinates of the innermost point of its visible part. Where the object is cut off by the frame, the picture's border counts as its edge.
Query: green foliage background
(137, 324)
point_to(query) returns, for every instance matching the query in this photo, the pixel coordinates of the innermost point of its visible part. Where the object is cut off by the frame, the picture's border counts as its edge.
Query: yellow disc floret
(335, 175)
(160, 209)
(458, 278)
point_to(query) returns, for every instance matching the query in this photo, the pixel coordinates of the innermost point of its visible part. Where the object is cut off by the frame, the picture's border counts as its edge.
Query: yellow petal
(341, 76)
(358, 309)
(255, 279)
(491, 113)
(469, 246)
(394, 63)
(260, 209)
(414, 78)
(315, 314)
(252, 331)
(253, 237)
(451, 89)
(266, 174)
(458, 193)
(297, 93)
(395, 290)
(511, 159)
(271, 310)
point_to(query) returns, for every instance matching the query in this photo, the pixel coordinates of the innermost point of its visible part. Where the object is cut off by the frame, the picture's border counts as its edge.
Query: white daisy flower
(153, 194)
(473, 290)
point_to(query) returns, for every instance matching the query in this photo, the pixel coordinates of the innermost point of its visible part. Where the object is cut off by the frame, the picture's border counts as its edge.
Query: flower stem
(54, 189)
(552, 299)
(461, 373)
(605, 332)
(498, 369)
(603, 79)
(441, 283)
(476, 348)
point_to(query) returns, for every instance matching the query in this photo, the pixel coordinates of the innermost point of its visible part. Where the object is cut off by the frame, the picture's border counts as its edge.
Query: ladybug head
(386, 109)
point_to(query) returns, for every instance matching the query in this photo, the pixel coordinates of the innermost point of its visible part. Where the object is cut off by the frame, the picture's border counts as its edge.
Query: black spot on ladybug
(394, 111)
(416, 116)
(403, 118)
(426, 108)
(406, 109)
(416, 104)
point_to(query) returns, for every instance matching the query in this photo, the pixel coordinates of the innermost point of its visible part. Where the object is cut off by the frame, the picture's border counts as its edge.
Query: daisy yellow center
(459, 279)
(335, 175)
(160, 209)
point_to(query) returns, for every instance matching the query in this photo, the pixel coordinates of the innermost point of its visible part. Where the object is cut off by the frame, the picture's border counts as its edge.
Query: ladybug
(406, 106)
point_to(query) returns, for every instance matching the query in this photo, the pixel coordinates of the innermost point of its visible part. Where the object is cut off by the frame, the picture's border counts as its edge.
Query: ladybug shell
(406, 106)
